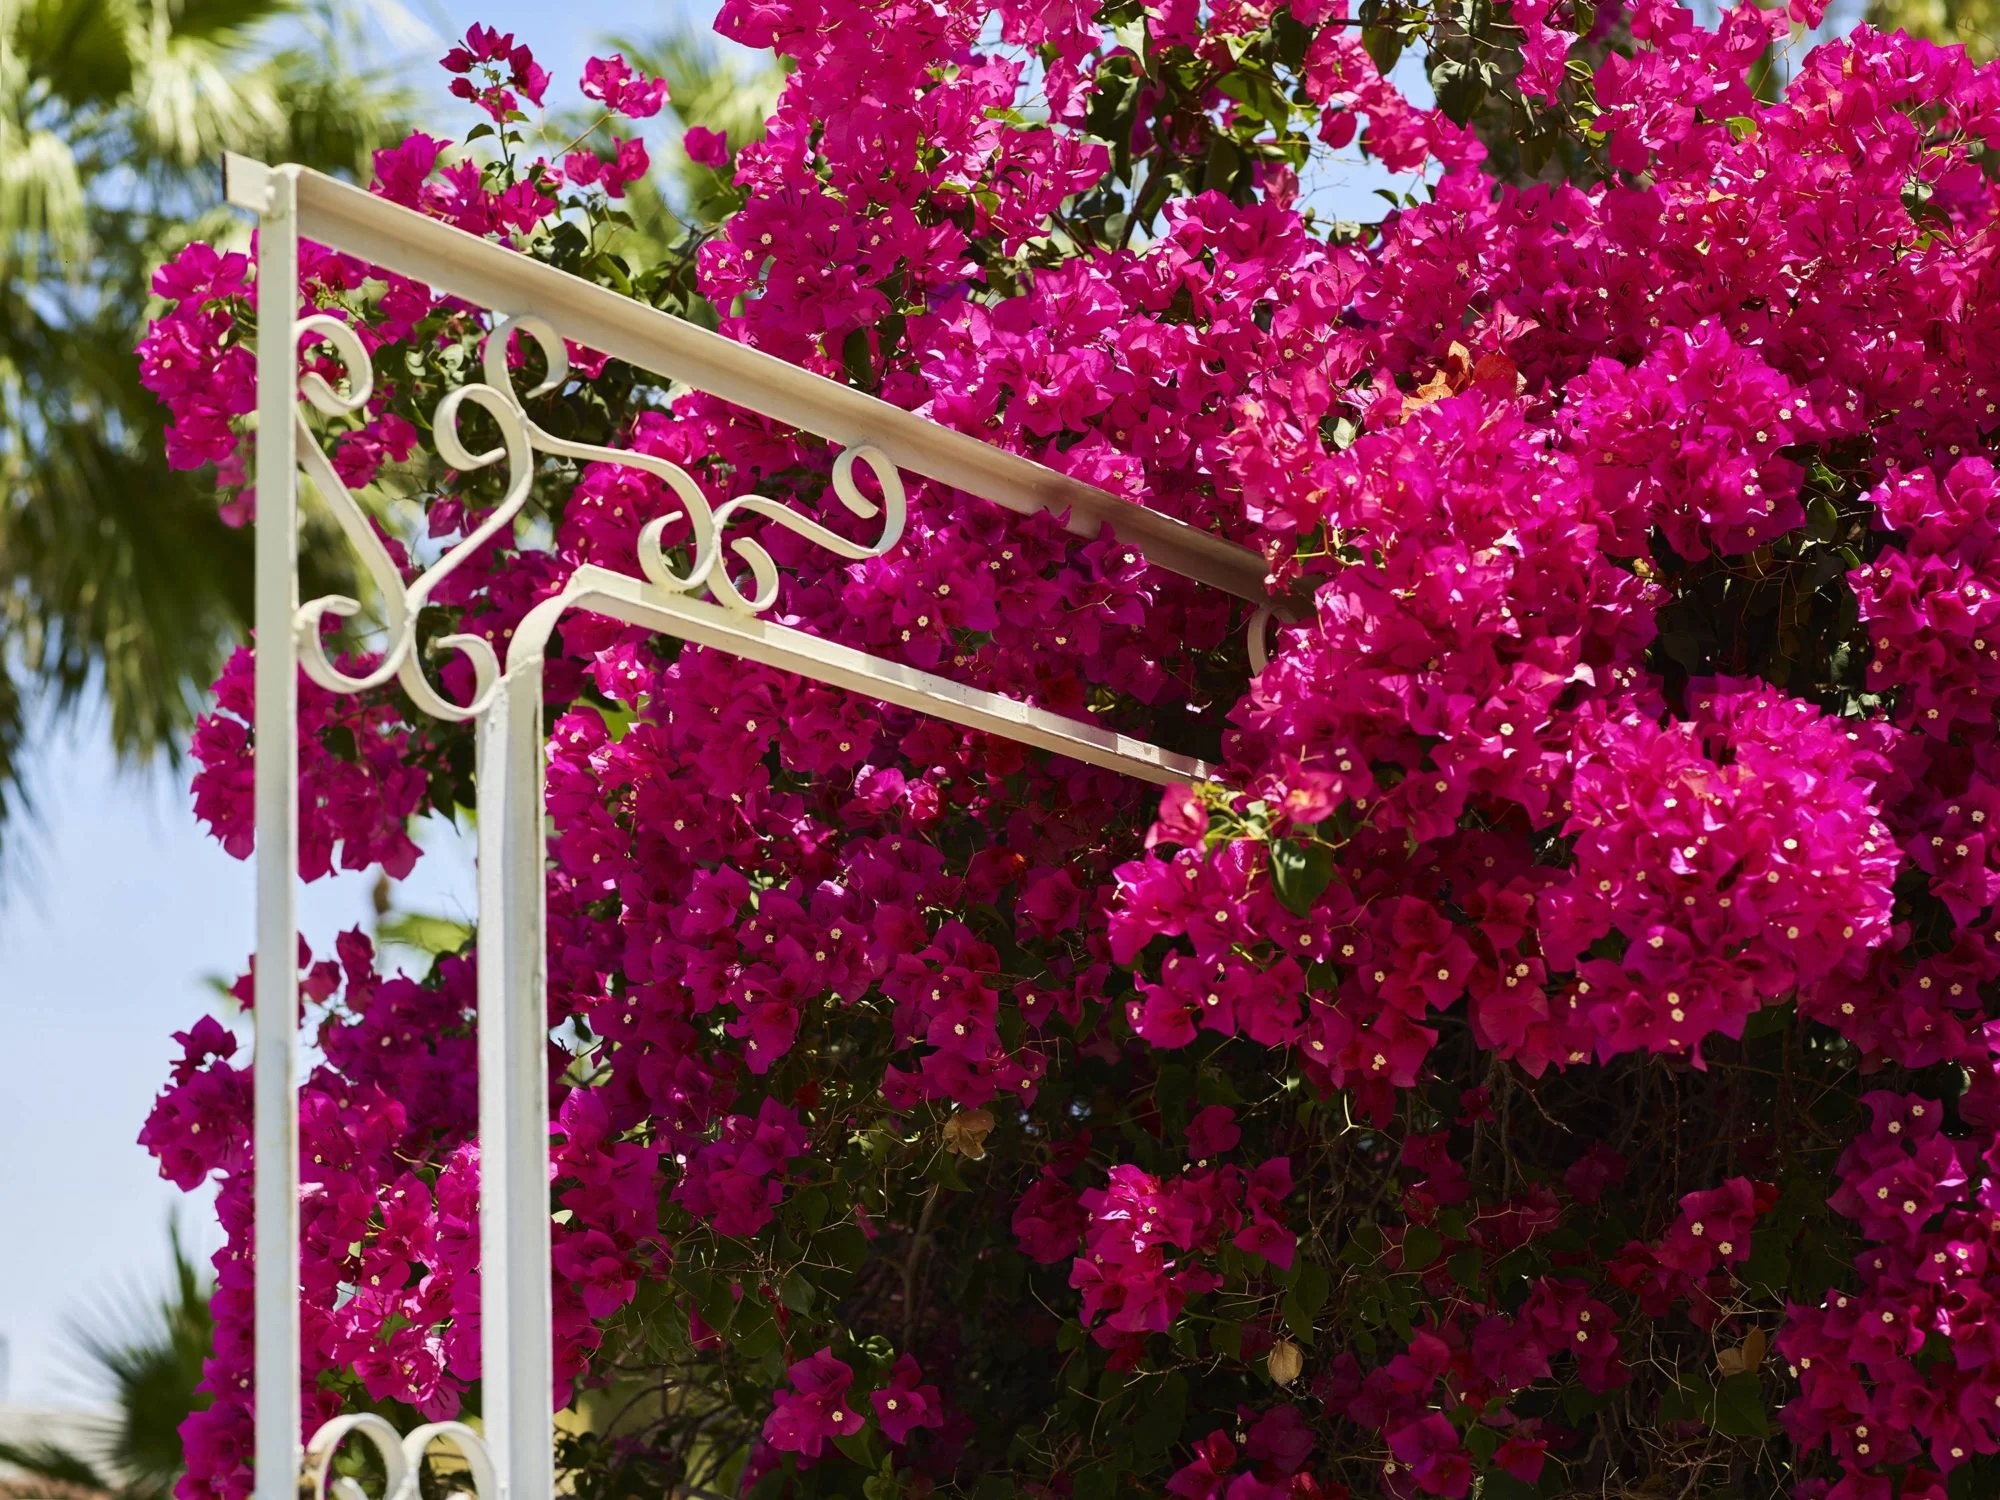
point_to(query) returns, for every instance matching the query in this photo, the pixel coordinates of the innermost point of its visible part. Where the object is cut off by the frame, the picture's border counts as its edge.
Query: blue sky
(112, 916)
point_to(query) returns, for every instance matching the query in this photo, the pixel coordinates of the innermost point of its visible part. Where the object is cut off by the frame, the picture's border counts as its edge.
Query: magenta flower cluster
(1508, 459)
(1131, 1279)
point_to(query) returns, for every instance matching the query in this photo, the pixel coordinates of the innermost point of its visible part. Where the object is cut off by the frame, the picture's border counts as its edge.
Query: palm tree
(146, 1356)
(1976, 23)
(115, 572)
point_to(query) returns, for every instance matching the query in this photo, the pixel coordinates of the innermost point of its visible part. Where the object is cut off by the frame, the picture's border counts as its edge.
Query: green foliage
(115, 572)
(146, 1356)
(1973, 24)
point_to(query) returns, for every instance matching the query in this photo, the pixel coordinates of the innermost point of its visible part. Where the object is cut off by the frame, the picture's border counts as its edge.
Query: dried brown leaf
(965, 1133)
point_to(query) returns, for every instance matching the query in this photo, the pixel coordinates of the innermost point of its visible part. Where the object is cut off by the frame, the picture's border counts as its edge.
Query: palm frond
(189, 101)
(1973, 23)
(336, 114)
(116, 575)
(145, 1353)
(13, 741)
(76, 51)
(117, 569)
(42, 216)
(53, 1462)
(228, 21)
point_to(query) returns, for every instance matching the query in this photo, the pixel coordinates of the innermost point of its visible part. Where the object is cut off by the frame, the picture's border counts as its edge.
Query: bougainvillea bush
(1554, 1058)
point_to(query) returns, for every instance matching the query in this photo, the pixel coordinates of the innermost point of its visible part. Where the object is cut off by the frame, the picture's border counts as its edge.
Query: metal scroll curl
(1258, 638)
(402, 1458)
(521, 439)
(401, 602)
(707, 524)
(764, 572)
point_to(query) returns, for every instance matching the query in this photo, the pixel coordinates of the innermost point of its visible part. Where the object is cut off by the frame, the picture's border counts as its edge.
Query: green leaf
(858, 1446)
(1739, 1407)
(811, 1208)
(1465, 1268)
(1420, 1247)
(1384, 44)
(611, 272)
(1364, 1245)
(1298, 1322)
(845, 1245)
(1159, 1423)
(1308, 1294)
(858, 360)
(1311, 1285)
(1171, 1094)
(1769, 1021)
(1224, 162)
(1132, 33)
(339, 742)
(754, 1331)
(1976, 1480)
(1577, 1403)
(1299, 873)
(1459, 88)
(796, 1292)
(1770, 1261)
(1687, 1401)
(1292, 39)
(423, 932)
(711, 1296)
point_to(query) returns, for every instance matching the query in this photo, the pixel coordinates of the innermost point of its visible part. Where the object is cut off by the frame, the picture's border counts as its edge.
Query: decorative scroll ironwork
(402, 1458)
(521, 439)
(1257, 637)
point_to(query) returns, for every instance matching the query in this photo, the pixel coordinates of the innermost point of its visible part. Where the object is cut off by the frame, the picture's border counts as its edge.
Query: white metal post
(517, 1358)
(275, 1077)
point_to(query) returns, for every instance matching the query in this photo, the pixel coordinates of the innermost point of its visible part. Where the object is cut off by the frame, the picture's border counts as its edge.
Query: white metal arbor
(514, 1459)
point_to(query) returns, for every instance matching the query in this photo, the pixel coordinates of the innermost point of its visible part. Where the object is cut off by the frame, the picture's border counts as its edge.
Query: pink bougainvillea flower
(621, 88)
(705, 147)
(903, 1405)
(815, 1408)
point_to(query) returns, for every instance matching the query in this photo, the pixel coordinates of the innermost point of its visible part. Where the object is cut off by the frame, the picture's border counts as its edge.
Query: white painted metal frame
(514, 1457)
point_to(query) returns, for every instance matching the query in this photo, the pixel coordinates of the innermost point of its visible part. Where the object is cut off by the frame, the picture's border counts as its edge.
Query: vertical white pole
(277, 790)
(517, 1353)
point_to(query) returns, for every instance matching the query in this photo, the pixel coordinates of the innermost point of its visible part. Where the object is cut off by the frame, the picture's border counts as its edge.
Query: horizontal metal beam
(483, 271)
(754, 638)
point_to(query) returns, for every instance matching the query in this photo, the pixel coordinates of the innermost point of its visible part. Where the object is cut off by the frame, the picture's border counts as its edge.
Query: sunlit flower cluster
(1635, 701)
